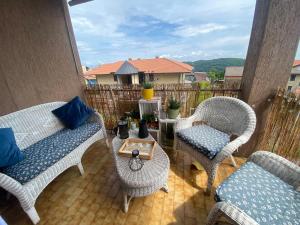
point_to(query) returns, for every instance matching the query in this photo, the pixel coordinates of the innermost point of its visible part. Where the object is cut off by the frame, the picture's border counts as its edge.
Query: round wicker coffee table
(152, 177)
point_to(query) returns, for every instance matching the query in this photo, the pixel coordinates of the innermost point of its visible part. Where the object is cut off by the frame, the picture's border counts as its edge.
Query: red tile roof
(156, 65)
(296, 62)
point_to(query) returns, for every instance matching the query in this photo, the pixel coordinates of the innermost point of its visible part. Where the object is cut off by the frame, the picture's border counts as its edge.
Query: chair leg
(33, 215)
(211, 179)
(80, 167)
(233, 161)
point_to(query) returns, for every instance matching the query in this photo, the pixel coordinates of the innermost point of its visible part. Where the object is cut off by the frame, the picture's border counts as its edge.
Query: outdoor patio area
(156, 137)
(96, 197)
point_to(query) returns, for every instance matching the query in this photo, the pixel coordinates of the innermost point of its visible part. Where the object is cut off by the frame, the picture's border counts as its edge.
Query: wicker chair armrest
(183, 123)
(229, 149)
(231, 212)
(277, 165)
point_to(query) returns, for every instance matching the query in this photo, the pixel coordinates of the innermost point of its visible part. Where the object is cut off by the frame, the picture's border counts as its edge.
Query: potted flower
(148, 92)
(173, 108)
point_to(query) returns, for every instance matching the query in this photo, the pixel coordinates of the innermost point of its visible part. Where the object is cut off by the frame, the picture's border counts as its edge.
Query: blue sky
(111, 30)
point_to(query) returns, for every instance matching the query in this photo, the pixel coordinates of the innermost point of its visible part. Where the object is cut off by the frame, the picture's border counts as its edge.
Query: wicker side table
(152, 177)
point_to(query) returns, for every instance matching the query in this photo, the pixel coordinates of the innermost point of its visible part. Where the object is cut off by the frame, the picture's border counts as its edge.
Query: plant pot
(148, 93)
(173, 113)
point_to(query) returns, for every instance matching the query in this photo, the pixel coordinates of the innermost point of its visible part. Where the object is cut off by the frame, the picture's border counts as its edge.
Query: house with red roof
(234, 74)
(156, 70)
(293, 84)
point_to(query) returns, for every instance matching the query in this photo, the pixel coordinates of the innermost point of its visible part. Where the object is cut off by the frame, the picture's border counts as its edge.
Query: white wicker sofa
(32, 126)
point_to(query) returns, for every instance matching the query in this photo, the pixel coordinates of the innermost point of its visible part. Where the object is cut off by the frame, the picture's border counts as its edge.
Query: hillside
(216, 64)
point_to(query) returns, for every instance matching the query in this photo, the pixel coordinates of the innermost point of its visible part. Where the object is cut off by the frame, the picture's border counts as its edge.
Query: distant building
(200, 76)
(233, 76)
(233, 73)
(293, 84)
(89, 79)
(196, 77)
(84, 69)
(157, 70)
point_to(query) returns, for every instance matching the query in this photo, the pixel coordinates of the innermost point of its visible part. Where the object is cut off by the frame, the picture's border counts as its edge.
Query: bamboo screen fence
(281, 134)
(112, 101)
(282, 131)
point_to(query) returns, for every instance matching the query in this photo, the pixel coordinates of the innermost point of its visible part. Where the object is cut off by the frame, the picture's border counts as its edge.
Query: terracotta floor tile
(96, 198)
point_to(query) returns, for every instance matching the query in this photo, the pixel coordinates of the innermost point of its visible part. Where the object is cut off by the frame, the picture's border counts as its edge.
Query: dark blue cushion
(10, 153)
(261, 195)
(74, 113)
(204, 139)
(46, 152)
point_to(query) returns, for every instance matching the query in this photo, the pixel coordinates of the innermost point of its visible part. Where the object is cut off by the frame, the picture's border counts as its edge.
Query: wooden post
(271, 52)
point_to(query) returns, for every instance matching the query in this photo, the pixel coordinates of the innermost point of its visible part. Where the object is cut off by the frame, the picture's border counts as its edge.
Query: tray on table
(145, 147)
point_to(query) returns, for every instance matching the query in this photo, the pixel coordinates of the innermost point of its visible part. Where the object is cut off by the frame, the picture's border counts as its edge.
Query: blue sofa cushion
(261, 195)
(74, 113)
(46, 152)
(10, 153)
(205, 139)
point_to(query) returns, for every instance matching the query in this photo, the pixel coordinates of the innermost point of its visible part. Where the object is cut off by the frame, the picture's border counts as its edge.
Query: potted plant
(173, 108)
(148, 92)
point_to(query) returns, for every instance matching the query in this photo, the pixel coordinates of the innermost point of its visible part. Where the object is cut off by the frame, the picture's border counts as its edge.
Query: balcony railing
(112, 101)
(282, 131)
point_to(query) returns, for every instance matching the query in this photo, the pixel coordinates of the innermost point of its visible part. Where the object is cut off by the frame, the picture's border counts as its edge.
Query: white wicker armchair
(30, 126)
(229, 115)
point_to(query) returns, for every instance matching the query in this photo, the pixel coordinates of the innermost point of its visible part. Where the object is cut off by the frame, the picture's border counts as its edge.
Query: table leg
(126, 201)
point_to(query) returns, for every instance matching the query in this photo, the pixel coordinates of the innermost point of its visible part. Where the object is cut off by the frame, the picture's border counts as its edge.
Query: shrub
(147, 85)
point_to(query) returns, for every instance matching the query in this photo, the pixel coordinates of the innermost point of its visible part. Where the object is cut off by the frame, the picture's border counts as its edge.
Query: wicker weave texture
(226, 114)
(275, 164)
(152, 177)
(30, 126)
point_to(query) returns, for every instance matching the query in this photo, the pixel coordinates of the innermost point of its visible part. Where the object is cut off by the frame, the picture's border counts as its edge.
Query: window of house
(151, 77)
(289, 88)
(141, 77)
(115, 77)
(293, 77)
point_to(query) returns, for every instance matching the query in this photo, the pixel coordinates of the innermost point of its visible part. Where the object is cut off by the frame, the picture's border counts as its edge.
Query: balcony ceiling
(77, 2)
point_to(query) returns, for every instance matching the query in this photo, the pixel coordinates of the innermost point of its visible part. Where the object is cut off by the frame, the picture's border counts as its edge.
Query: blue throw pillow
(10, 153)
(74, 113)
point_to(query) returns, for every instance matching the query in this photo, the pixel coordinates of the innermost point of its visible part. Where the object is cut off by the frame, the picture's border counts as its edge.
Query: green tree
(215, 75)
(203, 94)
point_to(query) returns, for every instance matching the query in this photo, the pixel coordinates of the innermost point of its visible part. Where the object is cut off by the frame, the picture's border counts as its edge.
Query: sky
(186, 30)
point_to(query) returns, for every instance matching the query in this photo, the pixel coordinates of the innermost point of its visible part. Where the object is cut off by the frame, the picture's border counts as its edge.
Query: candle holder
(135, 163)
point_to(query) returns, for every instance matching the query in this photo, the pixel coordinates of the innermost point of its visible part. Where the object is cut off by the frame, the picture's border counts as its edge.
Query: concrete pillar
(271, 52)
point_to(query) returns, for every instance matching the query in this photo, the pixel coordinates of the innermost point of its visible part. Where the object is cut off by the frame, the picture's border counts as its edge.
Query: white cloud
(105, 29)
(83, 46)
(99, 27)
(231, 40)
(194, 30)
